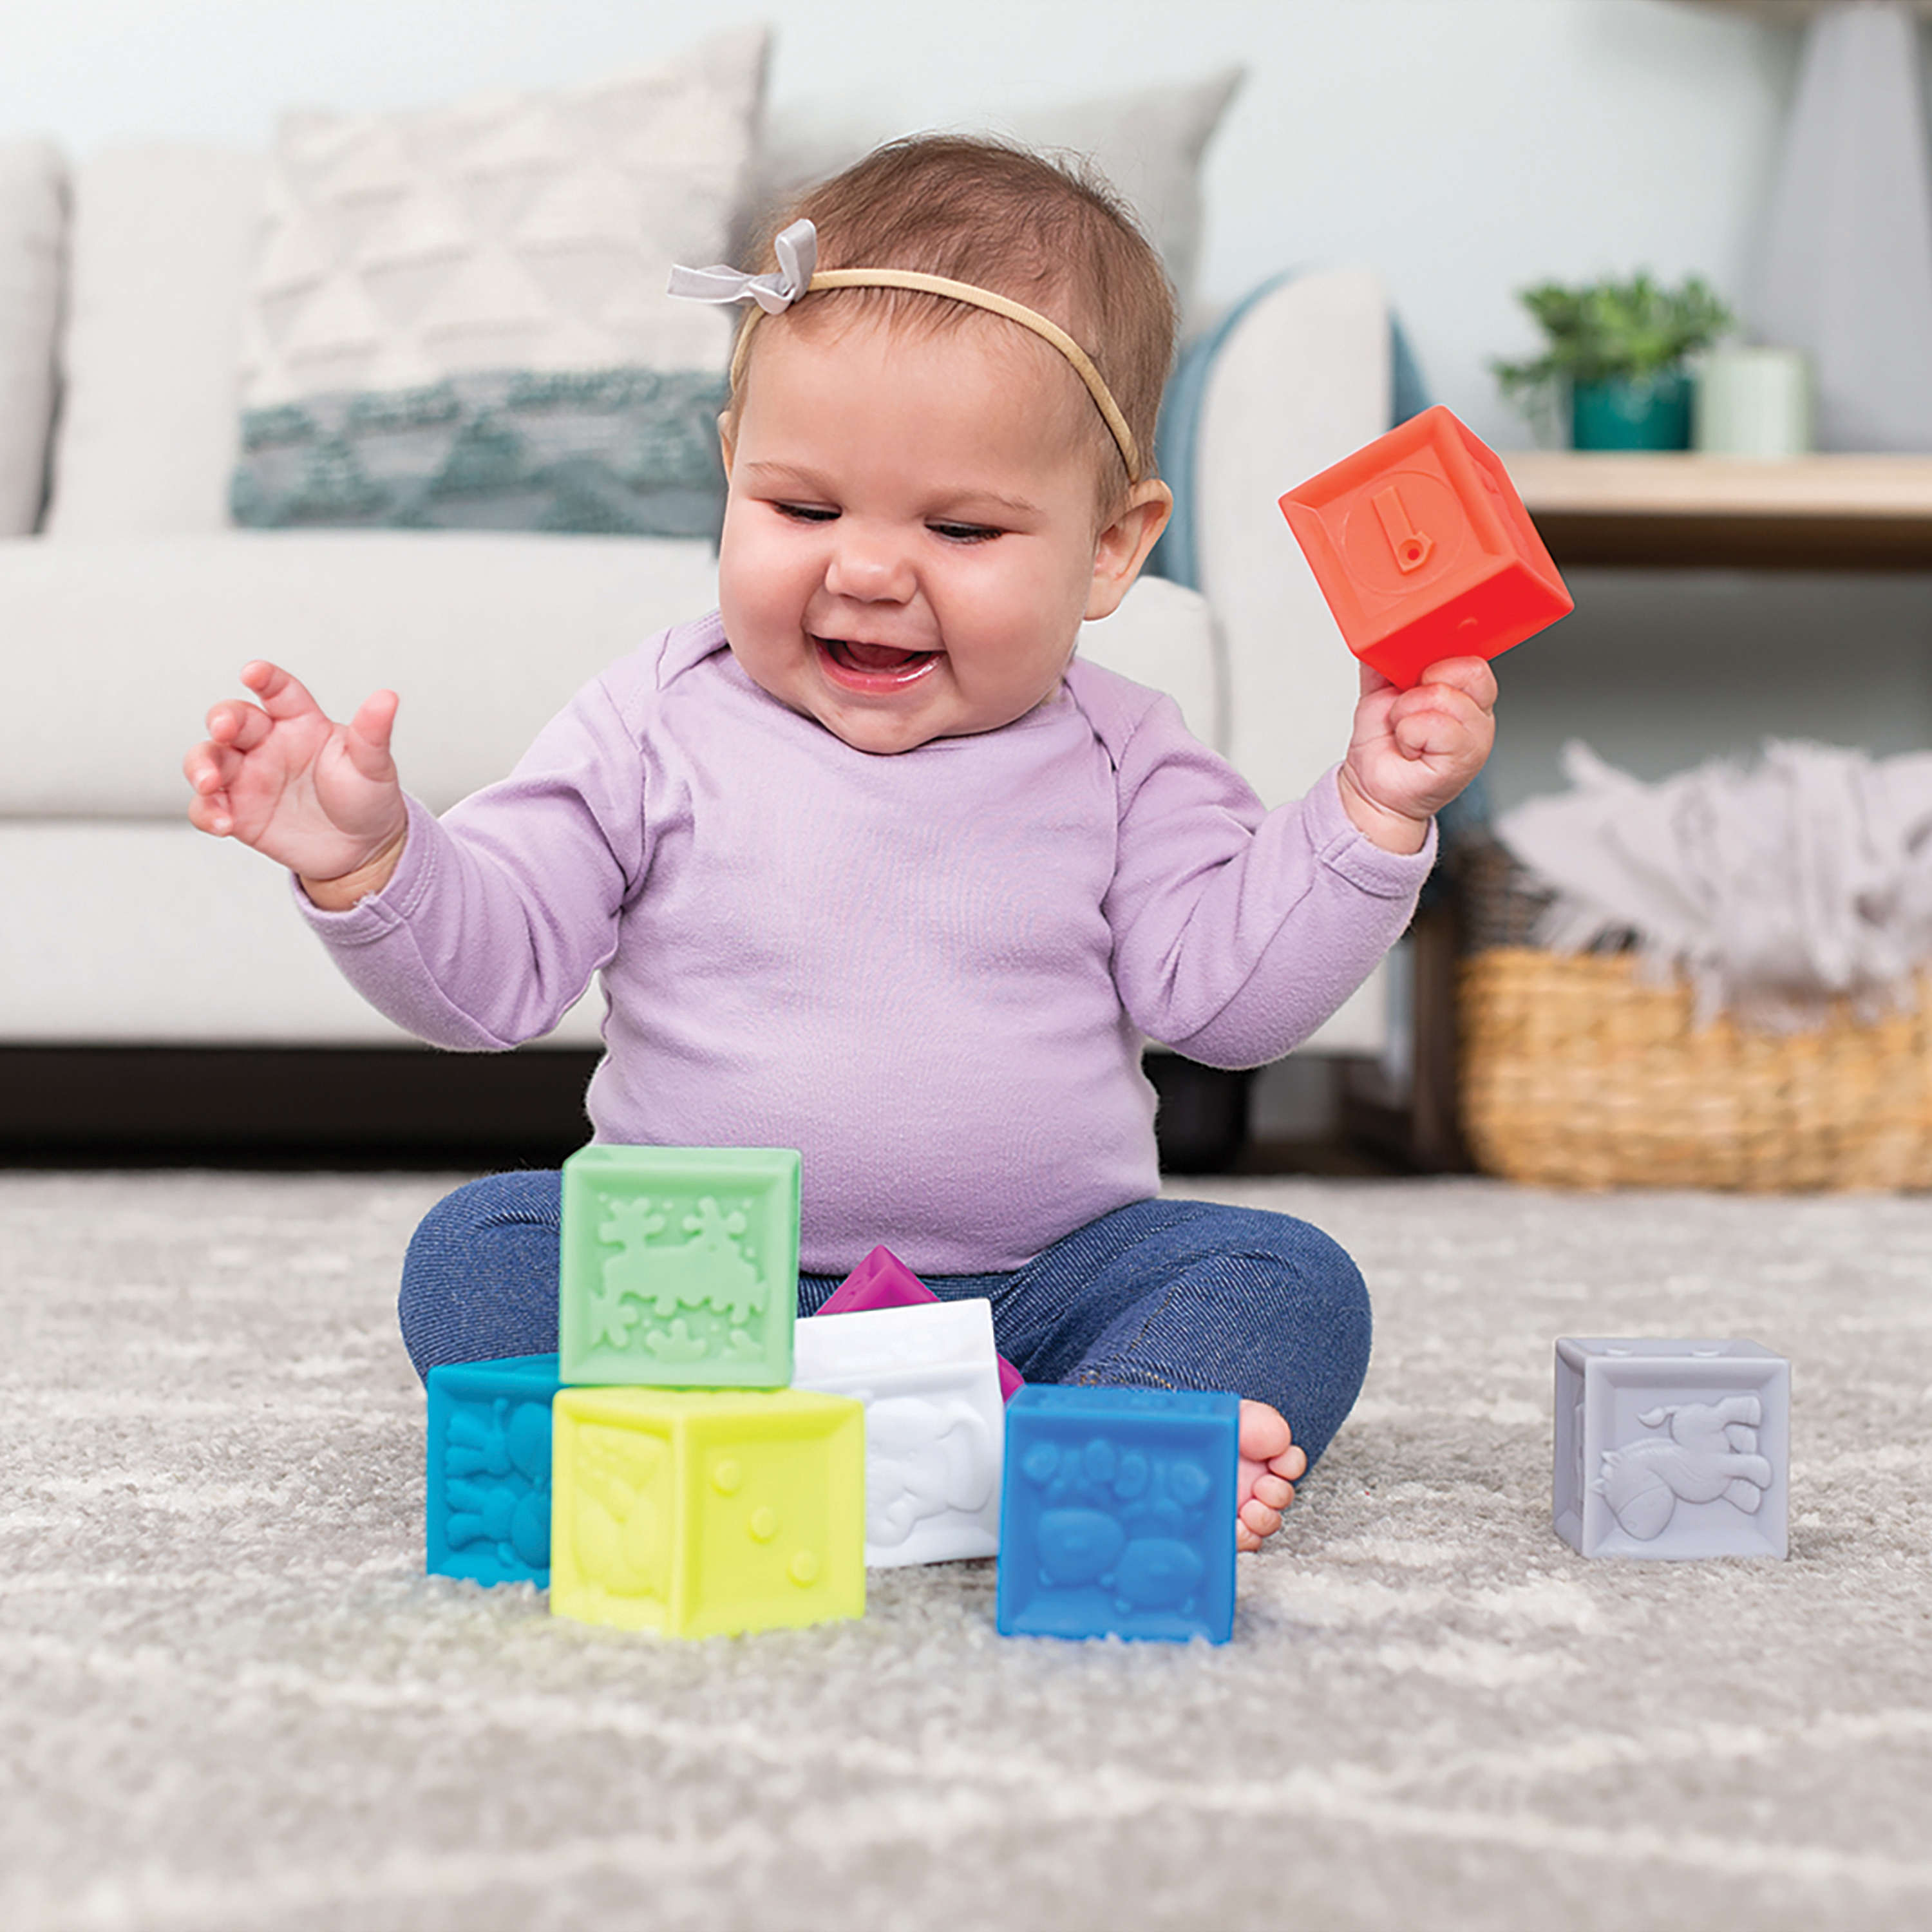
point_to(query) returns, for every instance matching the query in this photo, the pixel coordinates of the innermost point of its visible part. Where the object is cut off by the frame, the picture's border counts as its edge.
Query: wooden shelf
(1831, 512)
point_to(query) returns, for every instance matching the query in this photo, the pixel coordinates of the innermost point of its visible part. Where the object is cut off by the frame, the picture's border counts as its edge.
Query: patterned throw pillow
(458, 317)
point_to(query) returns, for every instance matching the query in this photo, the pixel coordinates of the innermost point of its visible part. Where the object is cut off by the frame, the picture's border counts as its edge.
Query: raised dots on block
(928, 1377)
(1423, 550)
(488, 1493)
(882, 1280)
(694, 1512)
(1672, 1449)
(679, 1266)
(1118, 1517)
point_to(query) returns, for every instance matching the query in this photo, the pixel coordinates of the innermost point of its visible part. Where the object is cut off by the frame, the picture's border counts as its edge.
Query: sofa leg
(1202, 1125)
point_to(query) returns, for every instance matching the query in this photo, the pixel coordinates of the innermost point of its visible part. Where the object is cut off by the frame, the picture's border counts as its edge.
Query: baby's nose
(869, 565)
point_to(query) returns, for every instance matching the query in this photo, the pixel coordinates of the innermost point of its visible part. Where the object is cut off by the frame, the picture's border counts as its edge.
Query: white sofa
(128, 600)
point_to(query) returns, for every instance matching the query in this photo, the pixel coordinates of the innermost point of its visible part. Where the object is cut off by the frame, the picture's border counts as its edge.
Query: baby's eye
(806, 513)
(969, 533)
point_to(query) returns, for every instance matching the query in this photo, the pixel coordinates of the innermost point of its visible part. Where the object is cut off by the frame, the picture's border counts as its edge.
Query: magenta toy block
(1672, 1448)
(487, 1505)
(882, 1280)
(1424, 549)
(935, 1433)
(1118, 1514)
(679, 1266)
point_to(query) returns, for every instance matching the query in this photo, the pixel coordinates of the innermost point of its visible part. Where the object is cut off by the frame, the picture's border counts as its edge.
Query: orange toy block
(1424, 549)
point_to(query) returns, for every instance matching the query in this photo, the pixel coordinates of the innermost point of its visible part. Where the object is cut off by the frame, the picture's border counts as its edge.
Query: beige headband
(797, 250)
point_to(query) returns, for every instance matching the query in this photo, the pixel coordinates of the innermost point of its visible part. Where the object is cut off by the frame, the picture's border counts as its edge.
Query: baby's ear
(1124, 544)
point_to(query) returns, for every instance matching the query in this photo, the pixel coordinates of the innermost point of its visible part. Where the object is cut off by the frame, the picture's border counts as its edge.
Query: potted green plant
(1617, 351)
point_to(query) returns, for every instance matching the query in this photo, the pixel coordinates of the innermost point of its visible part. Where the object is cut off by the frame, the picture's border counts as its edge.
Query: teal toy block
(488, 1494)
(1117, 1513)
(678, 1267)
(698, 1512)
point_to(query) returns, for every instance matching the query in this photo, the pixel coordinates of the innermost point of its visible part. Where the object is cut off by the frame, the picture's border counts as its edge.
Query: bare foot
(1270, 1466)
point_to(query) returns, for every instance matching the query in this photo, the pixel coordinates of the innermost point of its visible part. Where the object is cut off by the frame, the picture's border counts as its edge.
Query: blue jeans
(1158, 1295)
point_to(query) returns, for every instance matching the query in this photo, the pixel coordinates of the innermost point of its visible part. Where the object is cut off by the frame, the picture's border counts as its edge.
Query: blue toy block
(489, 1469)
(678, 1267)
(1672, 1448)
(1117, 1513)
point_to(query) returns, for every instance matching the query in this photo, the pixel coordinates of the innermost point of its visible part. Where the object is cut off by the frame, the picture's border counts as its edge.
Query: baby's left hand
(1414, 751)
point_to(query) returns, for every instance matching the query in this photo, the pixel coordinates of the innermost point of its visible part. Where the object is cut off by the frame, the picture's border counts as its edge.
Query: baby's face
(909, 544)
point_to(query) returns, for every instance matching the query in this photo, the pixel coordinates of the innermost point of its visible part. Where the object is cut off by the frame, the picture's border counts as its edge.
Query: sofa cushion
(457, 317)
(178, 939)
(161, 231)
(485, 635)
(33, 222)
(1148, 141)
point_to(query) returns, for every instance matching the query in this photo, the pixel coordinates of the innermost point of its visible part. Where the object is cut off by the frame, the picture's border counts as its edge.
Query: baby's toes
(1264, 1433)
(1259, 1519)
(1273, 1490)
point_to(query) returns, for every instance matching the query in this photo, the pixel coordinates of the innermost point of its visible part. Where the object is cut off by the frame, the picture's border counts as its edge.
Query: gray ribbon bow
(797, 248)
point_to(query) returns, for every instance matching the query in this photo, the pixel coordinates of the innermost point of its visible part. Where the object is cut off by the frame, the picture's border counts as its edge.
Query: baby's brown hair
(1045, 232)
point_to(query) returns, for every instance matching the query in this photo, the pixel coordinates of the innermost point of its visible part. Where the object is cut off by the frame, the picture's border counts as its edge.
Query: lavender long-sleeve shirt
(930, 973)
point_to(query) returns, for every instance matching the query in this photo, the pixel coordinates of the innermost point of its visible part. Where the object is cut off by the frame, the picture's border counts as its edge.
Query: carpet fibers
(228, 1699)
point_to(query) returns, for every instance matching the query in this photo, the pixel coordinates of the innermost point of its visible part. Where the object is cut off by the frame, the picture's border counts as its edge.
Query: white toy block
(935, 1422)
(1673, 1449)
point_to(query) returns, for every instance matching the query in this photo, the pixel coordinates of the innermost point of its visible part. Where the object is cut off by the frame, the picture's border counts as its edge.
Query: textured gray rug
(230, 1700)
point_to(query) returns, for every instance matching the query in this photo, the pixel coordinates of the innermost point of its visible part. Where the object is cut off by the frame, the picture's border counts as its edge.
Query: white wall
(1463, 148)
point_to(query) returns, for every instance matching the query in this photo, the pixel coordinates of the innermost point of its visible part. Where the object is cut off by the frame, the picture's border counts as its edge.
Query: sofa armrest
(1293, 379)
(33, 240)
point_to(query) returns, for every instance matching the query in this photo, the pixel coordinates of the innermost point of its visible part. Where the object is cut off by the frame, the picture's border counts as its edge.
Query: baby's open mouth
(875, 664)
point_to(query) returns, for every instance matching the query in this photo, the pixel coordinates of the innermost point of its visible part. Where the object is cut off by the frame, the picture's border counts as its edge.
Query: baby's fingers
(1472, 676)
(368, 735)
(209, 768)
(281, 695)
(232, 722)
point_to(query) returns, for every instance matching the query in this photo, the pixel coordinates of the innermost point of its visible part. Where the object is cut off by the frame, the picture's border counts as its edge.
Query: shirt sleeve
(499, 914)
(1238, 931)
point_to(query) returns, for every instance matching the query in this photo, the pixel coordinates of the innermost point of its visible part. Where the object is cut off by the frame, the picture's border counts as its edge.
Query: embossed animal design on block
(924, 1459)
(1672, 1449)
(487, 1493)
(679, 1266)
(706, 1270)
(928, 1376)
(1710, 1450)
(1115, 1515)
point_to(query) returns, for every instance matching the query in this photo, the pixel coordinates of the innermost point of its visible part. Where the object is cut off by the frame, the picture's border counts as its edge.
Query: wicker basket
(1575, 1074)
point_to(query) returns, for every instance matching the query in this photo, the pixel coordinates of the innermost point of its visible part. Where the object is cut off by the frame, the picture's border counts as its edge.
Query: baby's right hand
(321, 798)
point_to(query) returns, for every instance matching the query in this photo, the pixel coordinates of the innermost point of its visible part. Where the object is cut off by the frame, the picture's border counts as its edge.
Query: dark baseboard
(353, 1106)
(413, 1107)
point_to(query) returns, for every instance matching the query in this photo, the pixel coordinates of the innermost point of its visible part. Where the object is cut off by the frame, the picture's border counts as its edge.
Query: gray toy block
(1673, 1449)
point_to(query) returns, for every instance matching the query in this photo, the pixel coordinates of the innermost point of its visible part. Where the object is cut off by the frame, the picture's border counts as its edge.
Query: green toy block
(679, 1266)
(696, 1512)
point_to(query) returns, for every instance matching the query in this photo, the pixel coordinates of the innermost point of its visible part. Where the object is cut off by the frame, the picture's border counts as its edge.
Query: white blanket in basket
(1775, 888)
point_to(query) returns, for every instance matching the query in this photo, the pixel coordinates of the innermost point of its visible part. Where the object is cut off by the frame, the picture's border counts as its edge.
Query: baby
(871, 864)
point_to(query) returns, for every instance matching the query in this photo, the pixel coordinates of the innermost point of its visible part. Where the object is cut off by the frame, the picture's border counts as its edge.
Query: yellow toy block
(695, 1512)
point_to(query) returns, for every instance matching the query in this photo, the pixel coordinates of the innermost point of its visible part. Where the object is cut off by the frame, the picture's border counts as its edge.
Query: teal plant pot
(1632, 413)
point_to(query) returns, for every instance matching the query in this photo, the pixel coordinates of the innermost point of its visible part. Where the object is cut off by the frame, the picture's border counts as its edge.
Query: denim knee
(480, 1278)
(1246, 1300)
